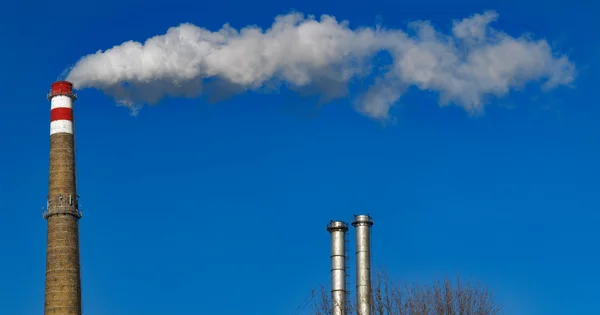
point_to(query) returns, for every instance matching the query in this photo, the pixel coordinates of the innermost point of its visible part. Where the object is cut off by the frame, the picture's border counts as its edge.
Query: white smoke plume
(464, 67)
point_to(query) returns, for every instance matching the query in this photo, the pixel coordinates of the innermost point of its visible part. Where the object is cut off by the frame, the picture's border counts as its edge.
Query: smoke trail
(464, 67)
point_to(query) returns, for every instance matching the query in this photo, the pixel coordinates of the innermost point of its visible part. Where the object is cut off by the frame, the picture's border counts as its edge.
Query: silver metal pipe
(338, 229)
(363, 224)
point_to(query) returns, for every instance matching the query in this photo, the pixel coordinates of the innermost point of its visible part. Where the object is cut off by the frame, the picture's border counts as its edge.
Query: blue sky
(196, 208)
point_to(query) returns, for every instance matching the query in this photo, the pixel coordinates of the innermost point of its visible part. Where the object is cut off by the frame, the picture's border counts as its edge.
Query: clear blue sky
(191, 208)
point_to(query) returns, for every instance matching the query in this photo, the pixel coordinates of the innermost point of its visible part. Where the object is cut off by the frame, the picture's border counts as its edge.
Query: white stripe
(61, 101)
(59, 126)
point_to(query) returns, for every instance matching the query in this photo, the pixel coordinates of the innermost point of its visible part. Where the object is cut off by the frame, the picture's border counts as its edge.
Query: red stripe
(61, 113)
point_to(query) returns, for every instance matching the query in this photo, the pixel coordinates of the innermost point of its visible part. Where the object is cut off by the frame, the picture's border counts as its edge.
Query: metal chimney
(363, 224)
(338, 229)
(63, 283)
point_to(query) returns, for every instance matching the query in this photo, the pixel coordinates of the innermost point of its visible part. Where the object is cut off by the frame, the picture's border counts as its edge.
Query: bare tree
(441, 298)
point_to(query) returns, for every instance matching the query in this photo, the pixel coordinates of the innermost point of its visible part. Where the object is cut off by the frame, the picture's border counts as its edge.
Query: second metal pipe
(363, 224)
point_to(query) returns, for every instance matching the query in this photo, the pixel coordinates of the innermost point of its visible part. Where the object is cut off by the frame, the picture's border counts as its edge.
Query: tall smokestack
(363, 224)
(63, 284)
(338, 229)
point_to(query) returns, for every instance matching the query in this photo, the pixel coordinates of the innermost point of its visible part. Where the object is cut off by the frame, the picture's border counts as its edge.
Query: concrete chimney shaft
(63, 288)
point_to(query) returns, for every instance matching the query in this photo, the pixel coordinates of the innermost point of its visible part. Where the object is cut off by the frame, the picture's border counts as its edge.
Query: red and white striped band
(61, 115)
